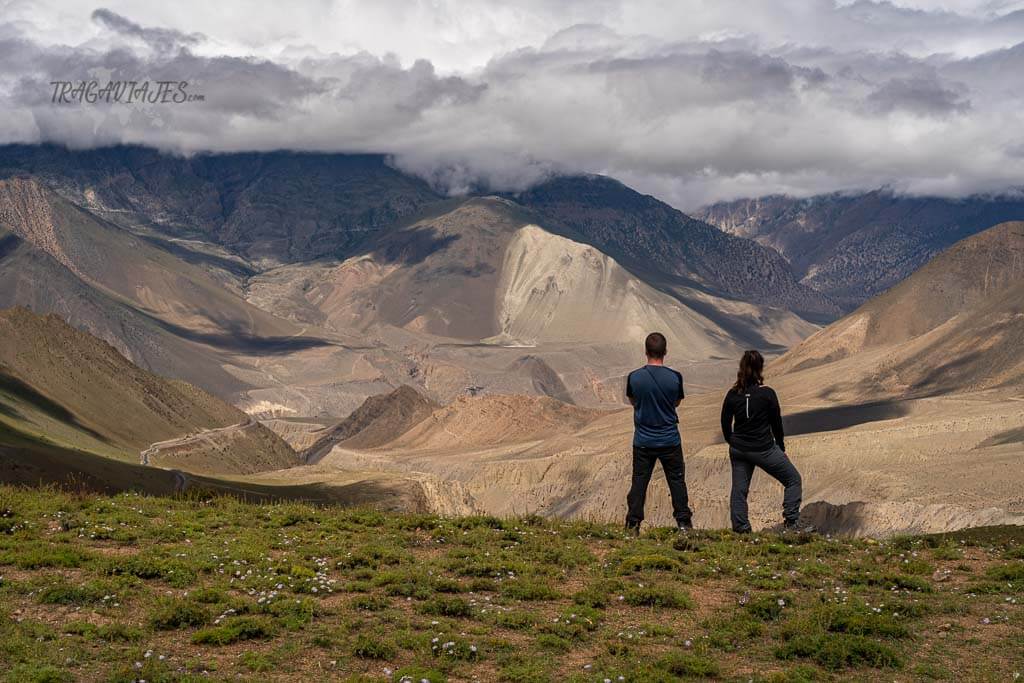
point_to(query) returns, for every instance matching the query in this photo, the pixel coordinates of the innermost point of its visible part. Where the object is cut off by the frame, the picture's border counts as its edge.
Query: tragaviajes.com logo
(123, 92)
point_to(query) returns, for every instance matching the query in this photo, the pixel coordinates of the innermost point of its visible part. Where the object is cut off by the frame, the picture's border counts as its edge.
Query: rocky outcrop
(25, 211)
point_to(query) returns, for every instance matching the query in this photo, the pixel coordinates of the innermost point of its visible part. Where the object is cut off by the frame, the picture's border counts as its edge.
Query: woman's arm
(776, 421)
(726, 420)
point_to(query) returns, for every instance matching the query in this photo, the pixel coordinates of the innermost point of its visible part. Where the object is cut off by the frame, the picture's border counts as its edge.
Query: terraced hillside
(132, 588)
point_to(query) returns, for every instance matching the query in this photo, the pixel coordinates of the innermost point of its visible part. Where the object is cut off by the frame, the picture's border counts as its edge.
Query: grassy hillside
(73, 390)
(131, 587)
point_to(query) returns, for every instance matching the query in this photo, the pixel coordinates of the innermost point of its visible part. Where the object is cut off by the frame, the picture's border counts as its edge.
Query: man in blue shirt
(655, 392)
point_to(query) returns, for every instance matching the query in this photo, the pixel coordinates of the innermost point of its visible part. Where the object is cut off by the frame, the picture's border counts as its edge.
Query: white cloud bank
(691, 101)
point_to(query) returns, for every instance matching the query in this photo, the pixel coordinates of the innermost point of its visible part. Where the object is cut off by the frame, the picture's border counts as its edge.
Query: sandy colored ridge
(957, 324)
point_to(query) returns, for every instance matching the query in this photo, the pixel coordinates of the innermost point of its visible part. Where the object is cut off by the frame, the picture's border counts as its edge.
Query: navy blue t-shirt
(655, 391)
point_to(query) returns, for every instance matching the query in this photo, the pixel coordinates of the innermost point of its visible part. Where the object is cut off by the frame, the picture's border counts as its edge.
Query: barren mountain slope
(956, 324)
(32, 278)
(160, 310)
(378, 420)
(81, 393)
(854, 246)
(75, 413)
(648, 235)
(492, 420)
(128, 267)
(272, 207)
(483, 269)
(552, 289)
(246, 447)
(299, 433)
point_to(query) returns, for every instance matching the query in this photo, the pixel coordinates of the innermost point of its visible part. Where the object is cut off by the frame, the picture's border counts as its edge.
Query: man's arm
(682, 394)
(629, 391)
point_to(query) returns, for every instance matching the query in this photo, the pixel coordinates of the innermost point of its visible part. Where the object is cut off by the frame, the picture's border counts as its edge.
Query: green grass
(835, 651)
(129, 587)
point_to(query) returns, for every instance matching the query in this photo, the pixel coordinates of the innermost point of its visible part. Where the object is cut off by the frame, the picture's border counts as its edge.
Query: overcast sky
(691, 101)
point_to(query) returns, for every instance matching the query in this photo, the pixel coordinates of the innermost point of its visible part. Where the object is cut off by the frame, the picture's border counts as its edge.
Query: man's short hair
(655, 345)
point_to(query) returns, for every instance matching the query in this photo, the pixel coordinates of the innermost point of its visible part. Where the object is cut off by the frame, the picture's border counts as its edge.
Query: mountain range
(284, 207)
(300, 284)
(852, 246)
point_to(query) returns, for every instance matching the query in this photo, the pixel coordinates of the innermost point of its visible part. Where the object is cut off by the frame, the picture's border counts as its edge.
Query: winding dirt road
(203, 436)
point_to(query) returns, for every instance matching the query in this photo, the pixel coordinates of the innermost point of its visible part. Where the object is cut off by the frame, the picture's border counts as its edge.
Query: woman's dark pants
(775, 462)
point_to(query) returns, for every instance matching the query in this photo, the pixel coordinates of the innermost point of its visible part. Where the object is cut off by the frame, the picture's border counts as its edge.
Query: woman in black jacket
(752, 426)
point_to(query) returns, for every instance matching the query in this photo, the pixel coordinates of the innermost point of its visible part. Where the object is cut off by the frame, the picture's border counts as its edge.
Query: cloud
(162, 39)
(692, 101)
(923, 96)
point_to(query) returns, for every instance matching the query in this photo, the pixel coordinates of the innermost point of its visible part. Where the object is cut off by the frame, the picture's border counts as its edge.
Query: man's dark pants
(775, 462)
(644, 459)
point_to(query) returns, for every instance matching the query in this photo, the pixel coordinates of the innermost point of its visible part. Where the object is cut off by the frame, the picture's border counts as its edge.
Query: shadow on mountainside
(1003, 438)
(841, 417)
(738, 329)
(234, 339)
(199, 258)
(29, 461)
(960, 373)
(15, 387)
(410, 247)
(8, 243)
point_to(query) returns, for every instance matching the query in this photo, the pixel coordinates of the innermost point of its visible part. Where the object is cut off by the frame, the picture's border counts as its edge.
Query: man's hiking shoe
(633, 531)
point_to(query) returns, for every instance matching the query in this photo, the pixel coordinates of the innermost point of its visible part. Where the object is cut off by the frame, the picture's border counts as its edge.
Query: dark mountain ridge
(271, 208)
(855, 246)
(287, 206)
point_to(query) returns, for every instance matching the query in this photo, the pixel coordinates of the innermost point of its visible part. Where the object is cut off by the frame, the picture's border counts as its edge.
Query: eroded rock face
(25, 211)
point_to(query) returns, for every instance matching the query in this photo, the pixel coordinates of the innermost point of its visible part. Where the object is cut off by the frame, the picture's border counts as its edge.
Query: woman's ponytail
(751, 372)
